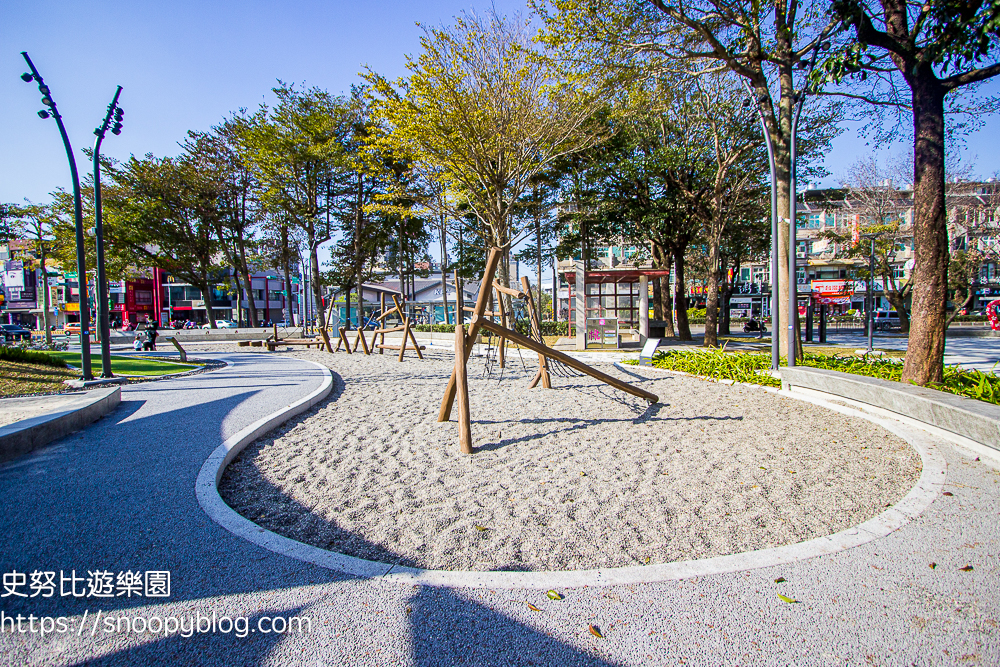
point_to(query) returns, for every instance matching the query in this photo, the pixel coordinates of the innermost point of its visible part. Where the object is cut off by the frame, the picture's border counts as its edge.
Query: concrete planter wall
(967, 417)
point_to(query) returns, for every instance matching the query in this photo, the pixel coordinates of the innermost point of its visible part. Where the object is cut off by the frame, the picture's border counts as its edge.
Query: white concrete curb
(207, 484)
(926, 490)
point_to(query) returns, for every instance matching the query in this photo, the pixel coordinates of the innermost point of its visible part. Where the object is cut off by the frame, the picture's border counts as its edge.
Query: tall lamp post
(798, 100)
(871, 287)
(775, 314)
(102, 286)
(81, 260)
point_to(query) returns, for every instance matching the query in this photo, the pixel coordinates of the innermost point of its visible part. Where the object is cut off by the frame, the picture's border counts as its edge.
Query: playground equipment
(398, 310)
(323, 340)
(458, 383)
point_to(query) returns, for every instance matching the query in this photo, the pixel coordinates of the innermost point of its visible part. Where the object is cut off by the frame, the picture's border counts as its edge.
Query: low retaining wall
(969, 418)
(26, 435)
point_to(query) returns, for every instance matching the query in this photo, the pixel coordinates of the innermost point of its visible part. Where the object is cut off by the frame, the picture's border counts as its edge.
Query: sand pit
(581, 476)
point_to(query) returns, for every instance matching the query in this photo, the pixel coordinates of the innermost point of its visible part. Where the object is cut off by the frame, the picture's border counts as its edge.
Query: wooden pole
(484, 294)
(566, 359)
(503, 323)
(536, 328)
(326, 340)
(361, 339)
(343, 339)
(459, 302)
(381, 323)
(462, 383)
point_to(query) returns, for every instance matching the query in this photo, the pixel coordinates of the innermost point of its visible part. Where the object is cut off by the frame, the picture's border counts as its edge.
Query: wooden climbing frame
(458, 383)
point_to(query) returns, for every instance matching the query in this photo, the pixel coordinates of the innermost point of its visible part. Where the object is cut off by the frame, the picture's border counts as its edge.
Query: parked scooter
(754, 325)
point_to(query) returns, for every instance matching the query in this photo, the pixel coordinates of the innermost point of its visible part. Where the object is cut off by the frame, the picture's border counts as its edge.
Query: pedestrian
(151, 333)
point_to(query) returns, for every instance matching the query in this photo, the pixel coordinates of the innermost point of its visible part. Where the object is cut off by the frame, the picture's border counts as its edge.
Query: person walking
(151, 333)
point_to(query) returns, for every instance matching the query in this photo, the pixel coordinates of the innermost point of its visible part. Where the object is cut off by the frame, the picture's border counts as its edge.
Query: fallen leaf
(785, 598)
(933, 565)
(481, 528)
(967, 568)
(763, 468)
(532, 607)
(779, 580)
(553, 595)
(409, 610)
(594, 630)
(947, 493)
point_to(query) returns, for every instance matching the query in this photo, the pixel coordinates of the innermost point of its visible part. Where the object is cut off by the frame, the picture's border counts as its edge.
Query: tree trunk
(288, 291)
(45, 296)
(680, 299)
(316, 286)
(538, 266)
(239, 298)
(712, 297)
(898, 300)
(444, 268)
(248, 281)
(286, 269)
(206, 291)
(925, 353)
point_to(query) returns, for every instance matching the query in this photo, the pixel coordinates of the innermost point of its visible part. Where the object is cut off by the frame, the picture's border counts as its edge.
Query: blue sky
(185, 65)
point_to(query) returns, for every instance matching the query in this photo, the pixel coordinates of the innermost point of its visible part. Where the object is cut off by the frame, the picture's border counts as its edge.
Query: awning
(617, 275)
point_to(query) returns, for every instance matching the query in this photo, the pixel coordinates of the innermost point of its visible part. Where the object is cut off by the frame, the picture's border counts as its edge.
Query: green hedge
(750, 367)
(21, 355)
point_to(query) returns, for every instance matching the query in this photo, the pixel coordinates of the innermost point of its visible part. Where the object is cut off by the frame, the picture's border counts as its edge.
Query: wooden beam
(406, 330)
(381, 297)
(501, 352)
(462, 384)
(343, 338)
(568, 360)
(508, 291)
(396, 347)
(484, 293)
(536, 328)
(360, 338)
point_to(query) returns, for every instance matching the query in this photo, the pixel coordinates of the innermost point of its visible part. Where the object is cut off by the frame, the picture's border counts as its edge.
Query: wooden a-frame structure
(407, 329)
(458, 385)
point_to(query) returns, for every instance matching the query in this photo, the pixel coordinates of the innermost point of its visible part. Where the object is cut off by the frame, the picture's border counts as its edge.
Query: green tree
(762, 43)
(33, 224)
(296, 151)
(486, 111)
(920, 53)
(166, 214)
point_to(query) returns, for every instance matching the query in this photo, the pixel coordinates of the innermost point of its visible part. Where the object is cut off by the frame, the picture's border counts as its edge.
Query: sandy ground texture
(581, 476)
(13, 410)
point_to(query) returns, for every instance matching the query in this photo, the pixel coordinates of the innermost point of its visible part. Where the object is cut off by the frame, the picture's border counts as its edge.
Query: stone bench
(976, 420)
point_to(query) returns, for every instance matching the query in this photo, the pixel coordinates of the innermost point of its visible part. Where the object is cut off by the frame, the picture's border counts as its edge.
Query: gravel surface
(578, 477)
(120, 494)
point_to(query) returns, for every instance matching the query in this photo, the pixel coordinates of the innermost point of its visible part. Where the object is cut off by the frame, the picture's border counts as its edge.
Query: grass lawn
(18, 378)
(120, 365)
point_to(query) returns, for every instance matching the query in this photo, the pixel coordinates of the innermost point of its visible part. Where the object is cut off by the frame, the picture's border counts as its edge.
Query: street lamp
(775, 315)
(102, 286)
(81, 260)
(798, 100)
(871, 288)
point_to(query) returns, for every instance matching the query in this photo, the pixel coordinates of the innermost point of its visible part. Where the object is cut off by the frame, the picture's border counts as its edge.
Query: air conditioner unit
(800, 255)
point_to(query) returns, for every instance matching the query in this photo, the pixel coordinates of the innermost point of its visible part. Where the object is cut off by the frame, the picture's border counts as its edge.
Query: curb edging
(29, 434)
(924, 492)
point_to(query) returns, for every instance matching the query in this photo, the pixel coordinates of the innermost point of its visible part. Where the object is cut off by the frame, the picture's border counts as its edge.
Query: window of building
(745, 274)
(815, 220)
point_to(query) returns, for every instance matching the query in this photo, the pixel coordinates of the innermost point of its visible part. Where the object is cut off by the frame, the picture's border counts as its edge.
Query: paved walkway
(120, 495)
